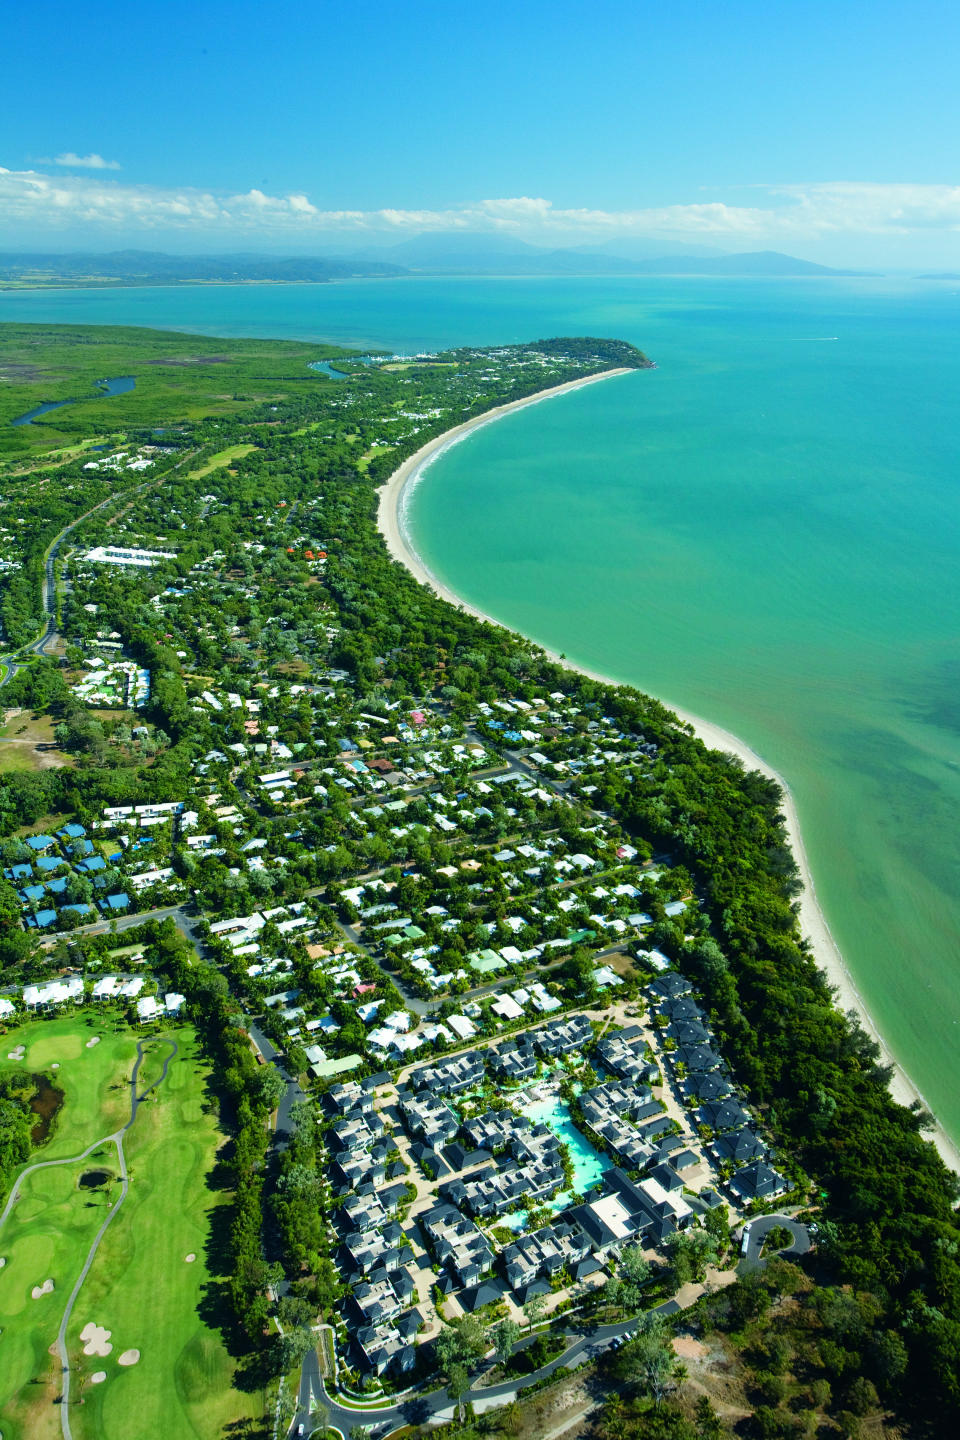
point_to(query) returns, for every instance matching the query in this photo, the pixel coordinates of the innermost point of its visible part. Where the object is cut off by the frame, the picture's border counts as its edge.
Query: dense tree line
(248, 1093)
(16, 1122)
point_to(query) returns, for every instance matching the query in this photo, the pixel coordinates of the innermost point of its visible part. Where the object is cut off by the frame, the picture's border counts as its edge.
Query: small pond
(44, 1104)
(91, 1179)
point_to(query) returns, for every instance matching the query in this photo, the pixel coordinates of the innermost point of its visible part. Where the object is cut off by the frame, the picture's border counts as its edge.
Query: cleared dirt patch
(194, 360)
(21, 374)
(689, 1349)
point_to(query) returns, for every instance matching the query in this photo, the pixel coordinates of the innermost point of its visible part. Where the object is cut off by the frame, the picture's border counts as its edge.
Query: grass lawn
(140, 1286)
(222, 457)
(93, 1080)
(19, 738)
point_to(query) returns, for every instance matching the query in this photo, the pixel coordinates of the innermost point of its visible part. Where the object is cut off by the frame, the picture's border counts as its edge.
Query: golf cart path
(115, 1139)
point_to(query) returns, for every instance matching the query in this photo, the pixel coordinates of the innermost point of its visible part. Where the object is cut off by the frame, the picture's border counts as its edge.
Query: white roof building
(115, 555)
(54, 992)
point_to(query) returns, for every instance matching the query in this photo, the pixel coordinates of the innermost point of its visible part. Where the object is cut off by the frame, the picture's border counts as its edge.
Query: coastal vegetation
(280, 580)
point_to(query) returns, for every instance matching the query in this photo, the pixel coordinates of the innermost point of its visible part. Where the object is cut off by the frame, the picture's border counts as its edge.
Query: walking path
(116, 1139)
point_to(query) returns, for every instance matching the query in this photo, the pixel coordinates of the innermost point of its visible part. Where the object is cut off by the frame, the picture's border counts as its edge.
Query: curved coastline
(394, 498)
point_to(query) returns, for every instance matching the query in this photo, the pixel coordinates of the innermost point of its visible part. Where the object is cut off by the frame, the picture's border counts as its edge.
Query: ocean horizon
(763, 530)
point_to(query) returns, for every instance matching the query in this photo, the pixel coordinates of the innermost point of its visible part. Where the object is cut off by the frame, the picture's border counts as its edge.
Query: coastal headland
(393, 498)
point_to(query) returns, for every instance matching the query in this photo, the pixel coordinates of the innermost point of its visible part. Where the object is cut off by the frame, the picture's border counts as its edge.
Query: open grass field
(176, 376)
(222, 457)
(20, 738)
(141, 1287)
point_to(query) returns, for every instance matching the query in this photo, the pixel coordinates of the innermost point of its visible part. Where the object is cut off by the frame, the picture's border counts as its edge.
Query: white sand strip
(812, 920)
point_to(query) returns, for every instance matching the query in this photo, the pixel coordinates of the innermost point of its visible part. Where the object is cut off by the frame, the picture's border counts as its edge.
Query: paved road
(417, 1409)
(48, 593)
(185, 922)
(293, 1092)
(117, 1140)
(755, 1231)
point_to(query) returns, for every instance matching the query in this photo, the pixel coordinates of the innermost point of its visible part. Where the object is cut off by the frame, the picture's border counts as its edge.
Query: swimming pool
(588, 1163)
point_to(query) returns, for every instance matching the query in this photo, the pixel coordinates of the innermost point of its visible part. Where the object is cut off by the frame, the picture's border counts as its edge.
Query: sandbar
(393, 496)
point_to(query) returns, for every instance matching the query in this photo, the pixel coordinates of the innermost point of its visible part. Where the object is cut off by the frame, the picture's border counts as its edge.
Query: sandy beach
(392, 501)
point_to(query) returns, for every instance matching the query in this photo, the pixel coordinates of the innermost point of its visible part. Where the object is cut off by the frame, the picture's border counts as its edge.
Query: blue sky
(830, 130)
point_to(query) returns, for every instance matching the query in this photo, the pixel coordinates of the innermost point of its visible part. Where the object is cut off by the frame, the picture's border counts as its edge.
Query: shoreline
(394, 495)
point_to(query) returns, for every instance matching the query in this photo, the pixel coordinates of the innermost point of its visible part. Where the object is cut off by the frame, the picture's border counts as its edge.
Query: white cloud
(83, 162)
(791, 214)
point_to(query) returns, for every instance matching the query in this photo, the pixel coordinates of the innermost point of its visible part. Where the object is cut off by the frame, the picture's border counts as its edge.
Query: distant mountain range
(144, 267)
(496, 255)
(423, 255)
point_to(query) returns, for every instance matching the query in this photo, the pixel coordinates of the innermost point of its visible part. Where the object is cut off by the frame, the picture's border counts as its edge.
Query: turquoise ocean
(764, 530)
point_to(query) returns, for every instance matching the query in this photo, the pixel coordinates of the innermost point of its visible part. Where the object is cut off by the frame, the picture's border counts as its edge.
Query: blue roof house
(72, 832)
(117, 902)
(40, 842)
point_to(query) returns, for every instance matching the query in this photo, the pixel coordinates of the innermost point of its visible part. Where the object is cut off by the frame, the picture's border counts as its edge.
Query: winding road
(116, 1139)
(48, 594)
(418, 1408)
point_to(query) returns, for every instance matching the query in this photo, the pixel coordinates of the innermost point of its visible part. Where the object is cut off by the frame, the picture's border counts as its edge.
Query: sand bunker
(17, 1054)
(95, 1041)
(55, 1065)
(43, 1289)
(98, 1377)
(129, 1357)
(188, 1258)
(96, 1338)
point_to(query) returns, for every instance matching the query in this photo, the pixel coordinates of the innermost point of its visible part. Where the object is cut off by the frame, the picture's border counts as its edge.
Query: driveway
(756, 1231)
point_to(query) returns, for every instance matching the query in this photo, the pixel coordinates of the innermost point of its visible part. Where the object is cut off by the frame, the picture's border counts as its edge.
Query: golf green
(141, 1287)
